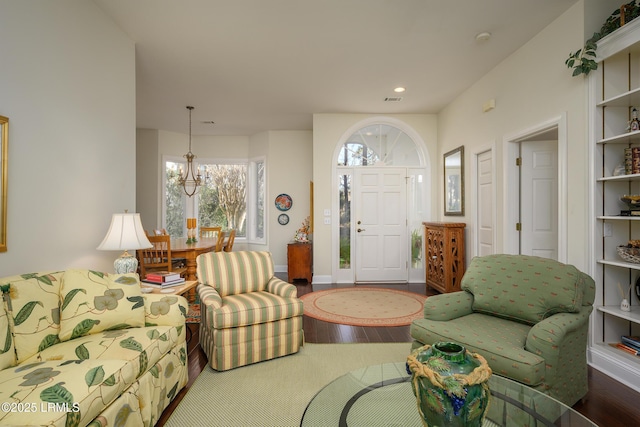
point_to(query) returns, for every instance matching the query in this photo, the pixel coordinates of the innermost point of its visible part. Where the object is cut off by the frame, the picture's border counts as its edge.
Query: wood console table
(445, 255)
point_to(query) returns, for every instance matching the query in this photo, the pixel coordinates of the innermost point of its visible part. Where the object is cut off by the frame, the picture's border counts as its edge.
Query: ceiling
(256, 65)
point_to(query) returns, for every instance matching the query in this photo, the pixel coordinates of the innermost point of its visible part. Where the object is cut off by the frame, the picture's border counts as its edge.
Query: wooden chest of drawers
(444, 245)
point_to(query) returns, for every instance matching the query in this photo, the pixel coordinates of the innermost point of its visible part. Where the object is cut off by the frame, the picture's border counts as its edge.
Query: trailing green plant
(416, 246)
(583, 60)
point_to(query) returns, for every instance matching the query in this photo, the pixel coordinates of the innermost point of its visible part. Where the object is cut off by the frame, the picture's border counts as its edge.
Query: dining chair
(210, 231)
(220, 242)
(229, 244)
(156, 232)
(177, 262)
(158, 257)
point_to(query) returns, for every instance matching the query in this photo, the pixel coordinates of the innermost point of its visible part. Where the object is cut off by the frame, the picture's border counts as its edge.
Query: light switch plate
(327, 212)
(327, 220)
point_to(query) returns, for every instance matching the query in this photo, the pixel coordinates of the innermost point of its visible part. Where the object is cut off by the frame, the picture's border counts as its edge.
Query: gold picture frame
(454, 182)
(4, 164)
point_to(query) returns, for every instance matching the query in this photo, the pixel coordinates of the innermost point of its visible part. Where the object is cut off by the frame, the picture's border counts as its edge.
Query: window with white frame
(232, 198)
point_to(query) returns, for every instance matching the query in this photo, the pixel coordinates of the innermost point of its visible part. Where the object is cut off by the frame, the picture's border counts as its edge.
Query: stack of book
(163, 279)
(630, 344)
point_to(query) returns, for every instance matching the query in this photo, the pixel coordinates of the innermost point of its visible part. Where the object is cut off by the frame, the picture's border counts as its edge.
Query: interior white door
(486, 203)
(380, 216)
(539, 199)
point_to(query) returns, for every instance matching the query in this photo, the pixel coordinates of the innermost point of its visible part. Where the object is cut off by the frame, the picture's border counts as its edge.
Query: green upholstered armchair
(247, 314)
(527, 316)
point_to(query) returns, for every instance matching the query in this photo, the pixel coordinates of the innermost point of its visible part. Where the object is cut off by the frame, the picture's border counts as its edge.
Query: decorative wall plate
(283, 202)
(283, 219)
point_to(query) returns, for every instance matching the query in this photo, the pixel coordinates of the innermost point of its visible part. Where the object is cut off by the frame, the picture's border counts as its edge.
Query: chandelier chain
(191, 181)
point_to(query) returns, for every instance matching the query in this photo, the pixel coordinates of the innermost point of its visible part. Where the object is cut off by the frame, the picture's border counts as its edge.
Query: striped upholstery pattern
(247, 314)
(254, 307)
(235, 272)
(234, 347)
(549, 355)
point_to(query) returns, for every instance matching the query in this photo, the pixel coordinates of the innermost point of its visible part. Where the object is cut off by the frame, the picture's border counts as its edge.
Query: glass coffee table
(381, 395)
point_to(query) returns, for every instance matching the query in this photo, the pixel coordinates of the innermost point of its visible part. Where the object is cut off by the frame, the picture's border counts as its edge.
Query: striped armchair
(247, 314)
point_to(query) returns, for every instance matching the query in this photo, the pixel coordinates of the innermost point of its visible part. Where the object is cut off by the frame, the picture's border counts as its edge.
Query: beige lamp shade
(125, 232)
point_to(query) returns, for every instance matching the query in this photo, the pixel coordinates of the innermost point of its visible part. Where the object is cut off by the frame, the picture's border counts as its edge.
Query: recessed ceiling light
(484, 36)
(399, 89)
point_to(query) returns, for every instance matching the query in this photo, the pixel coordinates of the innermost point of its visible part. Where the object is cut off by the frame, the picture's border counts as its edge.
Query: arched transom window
(379, 145)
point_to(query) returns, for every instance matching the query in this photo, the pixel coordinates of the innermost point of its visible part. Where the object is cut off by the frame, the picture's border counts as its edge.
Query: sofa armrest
(281, 288)
(209, 296)
(165, 310)
(546, 337)
(449, 306)
(561, 340)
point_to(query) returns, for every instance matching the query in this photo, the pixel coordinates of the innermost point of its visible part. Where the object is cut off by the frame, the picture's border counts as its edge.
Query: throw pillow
(7, 350)
(92, 302)
(33, 309)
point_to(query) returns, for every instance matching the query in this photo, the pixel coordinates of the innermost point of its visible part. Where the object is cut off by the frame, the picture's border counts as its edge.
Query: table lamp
(125, 232)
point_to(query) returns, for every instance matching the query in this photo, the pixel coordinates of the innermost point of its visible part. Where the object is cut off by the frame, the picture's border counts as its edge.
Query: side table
(173, 290)
(299, 261)
(182, 289)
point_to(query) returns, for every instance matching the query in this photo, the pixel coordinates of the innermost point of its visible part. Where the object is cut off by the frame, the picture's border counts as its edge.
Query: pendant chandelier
(191, 180)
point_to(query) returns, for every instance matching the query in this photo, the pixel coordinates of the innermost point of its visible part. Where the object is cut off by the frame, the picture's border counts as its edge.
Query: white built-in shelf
(632, 316)
(623, 178)
(619, 218)
(616, 352)
(620, 178)
(623, 138)
(627, 99)
(619, 53)
(621, 264)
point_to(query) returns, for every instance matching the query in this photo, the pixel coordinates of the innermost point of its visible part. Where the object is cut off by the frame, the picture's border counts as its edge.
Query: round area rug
(364, 306)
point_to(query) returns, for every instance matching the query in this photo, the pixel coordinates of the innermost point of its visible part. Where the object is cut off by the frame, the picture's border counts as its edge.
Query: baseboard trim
(321, 280)
(618, 368)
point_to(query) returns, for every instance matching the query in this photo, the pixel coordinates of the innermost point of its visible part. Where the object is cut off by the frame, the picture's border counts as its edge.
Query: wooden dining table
(189, 251)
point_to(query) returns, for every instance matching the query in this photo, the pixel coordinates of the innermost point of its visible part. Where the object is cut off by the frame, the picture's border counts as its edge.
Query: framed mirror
(454, 182)
(4, 164)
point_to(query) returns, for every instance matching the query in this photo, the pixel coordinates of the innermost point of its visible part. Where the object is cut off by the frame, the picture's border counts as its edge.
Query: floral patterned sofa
(80, 347)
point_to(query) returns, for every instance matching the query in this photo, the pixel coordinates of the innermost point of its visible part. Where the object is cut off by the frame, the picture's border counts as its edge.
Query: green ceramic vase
(450, 385)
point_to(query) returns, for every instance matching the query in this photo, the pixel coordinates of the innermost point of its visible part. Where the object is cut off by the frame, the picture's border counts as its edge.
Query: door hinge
(518, 226)
(519, 161)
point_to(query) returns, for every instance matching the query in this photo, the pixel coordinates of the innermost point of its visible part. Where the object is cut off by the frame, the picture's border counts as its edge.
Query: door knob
(359, 222)
(360, 229)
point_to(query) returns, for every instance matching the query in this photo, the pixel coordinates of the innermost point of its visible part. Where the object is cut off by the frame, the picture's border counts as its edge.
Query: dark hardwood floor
(608, 402)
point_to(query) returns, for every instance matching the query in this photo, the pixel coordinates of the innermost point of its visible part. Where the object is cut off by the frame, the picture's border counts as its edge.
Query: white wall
(148, 177)
(68, 89)
(530, 87)
(289, 171)
(328, 129)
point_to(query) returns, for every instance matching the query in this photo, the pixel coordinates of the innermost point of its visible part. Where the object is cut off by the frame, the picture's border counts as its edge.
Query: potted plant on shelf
(583, 60)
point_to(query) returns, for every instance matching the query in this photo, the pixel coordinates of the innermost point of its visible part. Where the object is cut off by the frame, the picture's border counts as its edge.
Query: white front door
(486, 203)
(539, 199)
(380, 216)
